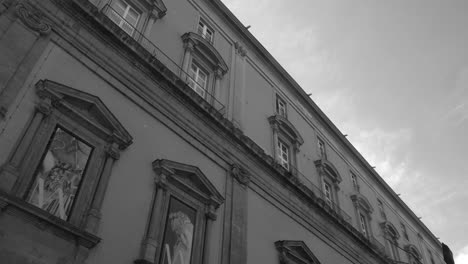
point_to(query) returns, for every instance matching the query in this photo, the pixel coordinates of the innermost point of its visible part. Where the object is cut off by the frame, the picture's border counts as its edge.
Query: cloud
(462, 256)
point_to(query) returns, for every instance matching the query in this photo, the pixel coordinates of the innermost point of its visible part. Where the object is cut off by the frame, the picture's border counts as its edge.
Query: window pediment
(327, 168)
(413, 250)
(362, 202)
(189, 179)
(295, 252)
(390, 230)
(286, 128)
(87, 108)
(207, 50)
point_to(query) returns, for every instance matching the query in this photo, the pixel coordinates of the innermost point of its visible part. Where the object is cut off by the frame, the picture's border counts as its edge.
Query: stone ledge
(43, 220)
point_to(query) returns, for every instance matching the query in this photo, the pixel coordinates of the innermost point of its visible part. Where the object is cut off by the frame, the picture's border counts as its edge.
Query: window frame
(123, 18)
(322, 149)
(191, 187)
(280, 154)
(355, 182)
(206, 26)
(59, 106)
(404, 231)
(363, 208)
(278, 103)
(195, 61)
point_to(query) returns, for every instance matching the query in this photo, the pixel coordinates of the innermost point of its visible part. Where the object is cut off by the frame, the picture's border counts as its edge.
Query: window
(381, 209)
(405, 233)
(285, 142)
(363, 211)
(414, 256)
(363, 222)
(327, 190)
(63, 161)
(283, 154)
(124, 15)
(321, 147)
(203, 68)
(185, 207)
(391, 240)
(198, 80)
(205, 31)
(354, 182)
(280, 106)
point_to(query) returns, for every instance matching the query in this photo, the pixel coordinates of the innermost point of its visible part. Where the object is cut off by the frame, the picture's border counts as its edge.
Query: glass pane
(178, 234)
(119, 7)
(59, 174)
(132, 17)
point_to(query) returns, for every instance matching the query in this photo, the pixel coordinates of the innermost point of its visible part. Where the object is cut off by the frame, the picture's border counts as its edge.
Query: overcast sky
(393, 75)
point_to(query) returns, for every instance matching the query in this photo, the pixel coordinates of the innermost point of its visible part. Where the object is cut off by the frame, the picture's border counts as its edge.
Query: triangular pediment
(87, 109)
(295, 251)
(190, 179)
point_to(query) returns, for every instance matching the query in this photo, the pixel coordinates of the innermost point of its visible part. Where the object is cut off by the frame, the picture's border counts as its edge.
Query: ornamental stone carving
(240, 174)
(32, 19)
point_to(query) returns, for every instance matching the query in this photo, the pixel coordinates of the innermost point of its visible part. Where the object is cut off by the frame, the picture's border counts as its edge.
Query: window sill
(43, 219)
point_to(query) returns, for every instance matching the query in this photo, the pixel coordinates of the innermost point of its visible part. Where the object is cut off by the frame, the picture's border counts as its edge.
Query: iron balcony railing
(132, 31)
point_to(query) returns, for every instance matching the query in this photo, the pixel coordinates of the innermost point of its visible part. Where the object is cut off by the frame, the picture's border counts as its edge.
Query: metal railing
(158, 54)
(319, 194)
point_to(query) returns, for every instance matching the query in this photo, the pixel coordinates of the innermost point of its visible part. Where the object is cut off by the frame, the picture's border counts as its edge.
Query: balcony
(122, 29)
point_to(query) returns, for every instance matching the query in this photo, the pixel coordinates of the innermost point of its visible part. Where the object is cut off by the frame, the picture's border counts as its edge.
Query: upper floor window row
(205, 31)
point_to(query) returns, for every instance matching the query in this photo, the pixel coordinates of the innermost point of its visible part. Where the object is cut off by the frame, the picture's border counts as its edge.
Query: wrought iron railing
(158, 54)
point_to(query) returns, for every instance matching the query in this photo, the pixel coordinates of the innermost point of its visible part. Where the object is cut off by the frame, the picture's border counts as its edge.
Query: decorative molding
(389, 230)
(295, 252)
(89, 109)
(361, 201)
(240, 49)
(206, 49)
(240, 174)
(326, 168)
(32, 19)
(283, 124)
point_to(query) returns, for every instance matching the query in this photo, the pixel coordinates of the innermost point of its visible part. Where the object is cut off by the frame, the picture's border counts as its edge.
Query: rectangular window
(355, 182)
(205, 31)
(328, 193)
(280, 106)
(178, 233)
(381, 208)
(283, 154)
(405, 233)
(322, 151)
(198, 80)
(363, 222)
(60, 173)
(124, 15)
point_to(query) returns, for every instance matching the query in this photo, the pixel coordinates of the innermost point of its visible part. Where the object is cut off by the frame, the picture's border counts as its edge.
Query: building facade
(157, 131)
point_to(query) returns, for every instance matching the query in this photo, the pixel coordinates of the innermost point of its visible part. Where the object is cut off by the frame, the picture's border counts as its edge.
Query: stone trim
(44, 220)
(32, 19)
(295, 252)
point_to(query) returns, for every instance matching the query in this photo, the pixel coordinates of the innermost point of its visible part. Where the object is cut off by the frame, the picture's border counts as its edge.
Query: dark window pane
(178, 233)
(59, 174)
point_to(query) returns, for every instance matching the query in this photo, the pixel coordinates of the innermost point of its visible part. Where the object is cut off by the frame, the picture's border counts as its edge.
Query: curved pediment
(85, 108)
(206, 50)
(190, 179)
(329, 169)
(291, 251)
(286, 127)
(390, 230)
(361, 201)
(413, 250)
